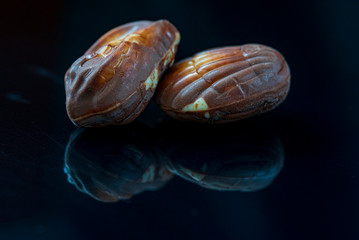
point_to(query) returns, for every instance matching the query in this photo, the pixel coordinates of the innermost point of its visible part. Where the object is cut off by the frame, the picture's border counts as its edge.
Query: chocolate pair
(112, 83)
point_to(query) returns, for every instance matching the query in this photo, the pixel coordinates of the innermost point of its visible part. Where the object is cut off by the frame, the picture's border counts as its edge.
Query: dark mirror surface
(233, 157)
(114, 163)
(291, 173)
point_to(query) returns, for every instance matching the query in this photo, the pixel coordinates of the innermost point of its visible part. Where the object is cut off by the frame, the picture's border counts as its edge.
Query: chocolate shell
(112, 83)
(225, 84)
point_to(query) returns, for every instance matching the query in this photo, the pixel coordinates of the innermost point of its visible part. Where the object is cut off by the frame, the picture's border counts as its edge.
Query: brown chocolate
(225, 84)
(114, 80)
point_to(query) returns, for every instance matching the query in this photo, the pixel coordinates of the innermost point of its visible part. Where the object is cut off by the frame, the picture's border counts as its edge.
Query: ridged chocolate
(225, 84)
(114, 80)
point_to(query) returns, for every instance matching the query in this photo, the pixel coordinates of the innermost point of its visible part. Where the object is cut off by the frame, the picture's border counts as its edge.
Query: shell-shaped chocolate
(225, 84)
(114, 80)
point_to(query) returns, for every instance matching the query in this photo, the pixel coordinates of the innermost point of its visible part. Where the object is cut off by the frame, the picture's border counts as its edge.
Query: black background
(314, 197)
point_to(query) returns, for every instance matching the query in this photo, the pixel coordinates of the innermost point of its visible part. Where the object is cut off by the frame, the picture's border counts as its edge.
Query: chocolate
(225, 84)
(114, 80)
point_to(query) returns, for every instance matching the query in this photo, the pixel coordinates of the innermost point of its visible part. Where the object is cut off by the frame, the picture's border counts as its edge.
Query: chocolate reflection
(114, 163)
(239, 156)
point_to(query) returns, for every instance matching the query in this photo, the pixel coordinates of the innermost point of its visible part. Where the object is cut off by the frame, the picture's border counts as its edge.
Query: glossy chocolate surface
(114, 80)
(225, 84)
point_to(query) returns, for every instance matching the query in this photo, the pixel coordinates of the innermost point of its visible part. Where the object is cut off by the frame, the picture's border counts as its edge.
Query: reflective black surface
(302, 157)
(237, 157)
(114, 163)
